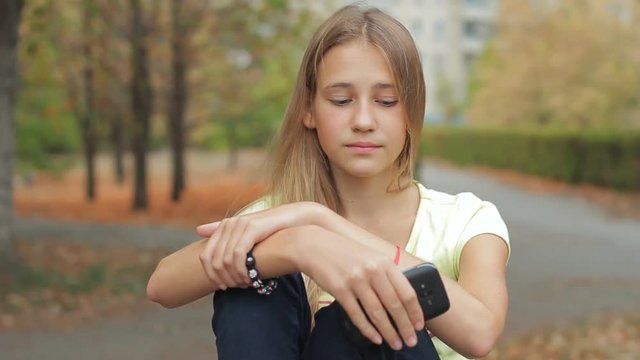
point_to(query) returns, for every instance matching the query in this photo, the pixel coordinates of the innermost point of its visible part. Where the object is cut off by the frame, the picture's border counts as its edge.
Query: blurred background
(126, 123)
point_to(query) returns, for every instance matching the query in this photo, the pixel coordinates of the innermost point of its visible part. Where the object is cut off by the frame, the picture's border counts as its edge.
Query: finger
(207, 230)
(407, 295)
(217, 263)
(245, 243)
(378, 314)
(358, 318)
(205, 261)
(254, 232)
(236, 235)
(385, 289)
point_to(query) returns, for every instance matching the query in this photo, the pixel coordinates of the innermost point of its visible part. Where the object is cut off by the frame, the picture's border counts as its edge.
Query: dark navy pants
(278, 327)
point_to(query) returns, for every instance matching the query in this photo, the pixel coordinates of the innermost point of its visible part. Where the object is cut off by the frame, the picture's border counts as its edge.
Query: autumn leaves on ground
(69, 284)
(212, 192)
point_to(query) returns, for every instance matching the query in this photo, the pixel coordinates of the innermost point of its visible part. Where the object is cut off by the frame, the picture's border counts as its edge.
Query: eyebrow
(346, 85)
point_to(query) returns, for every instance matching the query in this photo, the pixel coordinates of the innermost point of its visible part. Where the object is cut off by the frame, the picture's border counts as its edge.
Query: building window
(474, 30)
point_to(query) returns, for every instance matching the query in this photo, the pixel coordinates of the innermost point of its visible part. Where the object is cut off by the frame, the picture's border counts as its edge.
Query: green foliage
(256, 53)
(44, 128)
(604, 158)
(572, 64)
(45, 125)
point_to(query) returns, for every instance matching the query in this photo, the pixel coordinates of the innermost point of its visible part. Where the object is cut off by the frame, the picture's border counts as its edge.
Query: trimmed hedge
(609, 159)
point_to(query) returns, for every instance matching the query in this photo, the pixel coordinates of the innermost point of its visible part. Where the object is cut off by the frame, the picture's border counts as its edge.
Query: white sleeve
(486, 220)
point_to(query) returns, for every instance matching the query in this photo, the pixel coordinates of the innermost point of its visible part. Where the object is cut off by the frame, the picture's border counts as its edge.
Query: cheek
(328, 132)
(401, 136)
(327, 122)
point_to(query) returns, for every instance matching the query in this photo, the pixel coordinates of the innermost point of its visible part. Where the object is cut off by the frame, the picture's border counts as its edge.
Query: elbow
(479, 349)
(154, 294)
(155, 291)
(483, 341)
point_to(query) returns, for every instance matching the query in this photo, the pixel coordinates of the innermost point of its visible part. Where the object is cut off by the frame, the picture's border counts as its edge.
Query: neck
(365, 198)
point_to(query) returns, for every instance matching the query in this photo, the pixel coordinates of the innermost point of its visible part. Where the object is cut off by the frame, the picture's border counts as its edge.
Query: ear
(309, 121)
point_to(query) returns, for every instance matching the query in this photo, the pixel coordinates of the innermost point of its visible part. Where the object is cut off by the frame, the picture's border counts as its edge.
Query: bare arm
(186, 275)
(478, 299)
(350, 270)
(179, 278)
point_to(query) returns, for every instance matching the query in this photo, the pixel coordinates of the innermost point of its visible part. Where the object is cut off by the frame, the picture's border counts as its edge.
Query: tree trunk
(117, 143)
(89, 149)
(9, 21)
(141, 102)
(87, 119)
(177, 99)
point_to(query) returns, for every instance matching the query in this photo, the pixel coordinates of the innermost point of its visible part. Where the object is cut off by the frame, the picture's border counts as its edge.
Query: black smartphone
(426, 281)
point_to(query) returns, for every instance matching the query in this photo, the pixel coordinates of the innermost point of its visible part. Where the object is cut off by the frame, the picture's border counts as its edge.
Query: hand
(363, 281)
(223, 258)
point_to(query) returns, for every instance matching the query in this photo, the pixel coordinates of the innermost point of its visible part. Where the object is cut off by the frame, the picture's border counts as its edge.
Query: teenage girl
(343, 218)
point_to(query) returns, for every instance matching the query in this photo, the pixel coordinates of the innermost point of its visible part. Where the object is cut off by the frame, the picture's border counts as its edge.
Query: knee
(239, 308)
(249, 325)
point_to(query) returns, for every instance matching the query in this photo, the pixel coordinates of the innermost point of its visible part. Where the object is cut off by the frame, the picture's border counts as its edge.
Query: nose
(363, 119)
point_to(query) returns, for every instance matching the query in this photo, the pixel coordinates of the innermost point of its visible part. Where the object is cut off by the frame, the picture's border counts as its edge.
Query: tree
(74, 32)
(141, 103)
(87, 116)
(112, 78)
(571, 63)
(258, 46)
(9, 20)
(178, 96)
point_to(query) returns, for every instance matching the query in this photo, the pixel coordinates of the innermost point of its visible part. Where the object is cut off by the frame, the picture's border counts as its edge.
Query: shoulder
(450, 221)
(457, 204)
(462, 216)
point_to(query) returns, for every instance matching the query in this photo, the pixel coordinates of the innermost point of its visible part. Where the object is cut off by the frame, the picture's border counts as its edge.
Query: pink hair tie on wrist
(396, 260)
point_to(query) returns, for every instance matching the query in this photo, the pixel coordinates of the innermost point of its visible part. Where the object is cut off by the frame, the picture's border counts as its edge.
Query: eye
(387, 103)
(340, 102)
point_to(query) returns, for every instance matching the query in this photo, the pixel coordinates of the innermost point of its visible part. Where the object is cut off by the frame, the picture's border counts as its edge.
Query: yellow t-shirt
(443, 225)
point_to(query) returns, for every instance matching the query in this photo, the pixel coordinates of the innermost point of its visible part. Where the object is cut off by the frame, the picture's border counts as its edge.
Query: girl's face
(357, 113)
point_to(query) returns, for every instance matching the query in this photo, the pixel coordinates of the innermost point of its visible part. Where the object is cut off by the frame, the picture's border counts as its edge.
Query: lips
(363, 145)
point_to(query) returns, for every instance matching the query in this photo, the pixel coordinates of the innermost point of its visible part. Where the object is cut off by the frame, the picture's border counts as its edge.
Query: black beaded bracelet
(265, 287)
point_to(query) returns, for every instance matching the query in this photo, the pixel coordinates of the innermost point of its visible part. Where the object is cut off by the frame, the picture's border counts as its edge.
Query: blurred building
(450, 35)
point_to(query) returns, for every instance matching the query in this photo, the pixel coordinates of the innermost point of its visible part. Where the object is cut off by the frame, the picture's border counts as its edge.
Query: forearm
(179, 278)
(466, 315)
(278, 254)
(469, 327)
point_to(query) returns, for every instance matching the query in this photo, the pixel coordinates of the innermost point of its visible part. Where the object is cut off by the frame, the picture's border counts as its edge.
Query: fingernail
(412, 341)
(397, 345)
(419, 326)
(377, 339)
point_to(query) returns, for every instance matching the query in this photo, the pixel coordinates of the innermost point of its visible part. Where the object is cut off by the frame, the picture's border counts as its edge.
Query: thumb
(207, 230)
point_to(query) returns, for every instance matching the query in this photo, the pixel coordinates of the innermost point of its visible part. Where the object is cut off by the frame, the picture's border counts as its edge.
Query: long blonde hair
(300, 169)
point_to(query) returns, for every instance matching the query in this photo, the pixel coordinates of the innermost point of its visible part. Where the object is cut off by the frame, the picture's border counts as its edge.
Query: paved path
(570, 259)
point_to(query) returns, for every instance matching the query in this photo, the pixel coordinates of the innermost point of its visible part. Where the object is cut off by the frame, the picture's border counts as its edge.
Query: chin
(364, 172)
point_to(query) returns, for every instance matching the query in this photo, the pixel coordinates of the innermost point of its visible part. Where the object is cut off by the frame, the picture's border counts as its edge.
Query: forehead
(355, 62)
